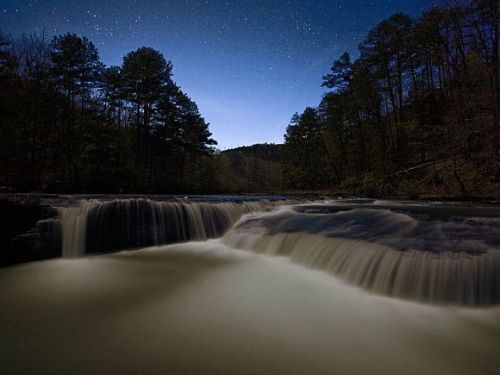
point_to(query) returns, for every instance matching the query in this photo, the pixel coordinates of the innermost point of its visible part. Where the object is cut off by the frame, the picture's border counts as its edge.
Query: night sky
(249, 65)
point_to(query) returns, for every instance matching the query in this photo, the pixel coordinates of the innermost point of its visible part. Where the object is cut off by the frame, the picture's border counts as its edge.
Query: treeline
(70, 124)
(416, 112)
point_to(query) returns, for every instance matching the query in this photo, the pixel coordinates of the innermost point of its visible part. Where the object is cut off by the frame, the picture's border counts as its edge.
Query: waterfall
(389, 253)
(73, 221)
(95, 226)
(439, 255)
(157, 309)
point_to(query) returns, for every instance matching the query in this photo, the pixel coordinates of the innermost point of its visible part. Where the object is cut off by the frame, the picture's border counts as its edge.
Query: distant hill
(250, 169)
(265, 151)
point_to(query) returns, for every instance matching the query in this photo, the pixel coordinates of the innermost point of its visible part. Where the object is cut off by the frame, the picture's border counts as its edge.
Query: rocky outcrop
(29, 229)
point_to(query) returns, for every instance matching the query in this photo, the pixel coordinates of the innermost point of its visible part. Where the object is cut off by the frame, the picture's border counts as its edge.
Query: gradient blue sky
(249, 65)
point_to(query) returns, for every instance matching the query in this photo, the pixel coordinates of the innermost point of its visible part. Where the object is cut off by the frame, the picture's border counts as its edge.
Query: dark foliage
(69, 124)
(416, 112)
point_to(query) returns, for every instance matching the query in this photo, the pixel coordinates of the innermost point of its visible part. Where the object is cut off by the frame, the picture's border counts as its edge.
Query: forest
(70, 124)
(414, 113)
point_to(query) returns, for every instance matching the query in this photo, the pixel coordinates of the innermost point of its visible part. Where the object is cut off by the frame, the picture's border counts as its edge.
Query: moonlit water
(430, 259)
(73, 221)
(211, 308)
(99, 226)
(204, 308)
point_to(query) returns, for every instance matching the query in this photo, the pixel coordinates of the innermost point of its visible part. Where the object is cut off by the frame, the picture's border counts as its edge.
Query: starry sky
(248, 64)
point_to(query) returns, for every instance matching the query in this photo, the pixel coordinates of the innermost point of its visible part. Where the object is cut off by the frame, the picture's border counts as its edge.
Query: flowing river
(260, 287)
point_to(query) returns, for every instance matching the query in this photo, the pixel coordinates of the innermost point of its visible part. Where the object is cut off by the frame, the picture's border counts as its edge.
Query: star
(245, 49)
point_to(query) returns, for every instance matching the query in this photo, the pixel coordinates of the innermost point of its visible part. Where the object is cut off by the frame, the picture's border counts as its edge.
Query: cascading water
(94, 226)
(207, 307)
(398, 250)
(73, 221)
(442, 260)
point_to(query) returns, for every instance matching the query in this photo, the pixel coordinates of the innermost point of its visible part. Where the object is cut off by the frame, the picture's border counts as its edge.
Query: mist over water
(209, 309)
(407, 290)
